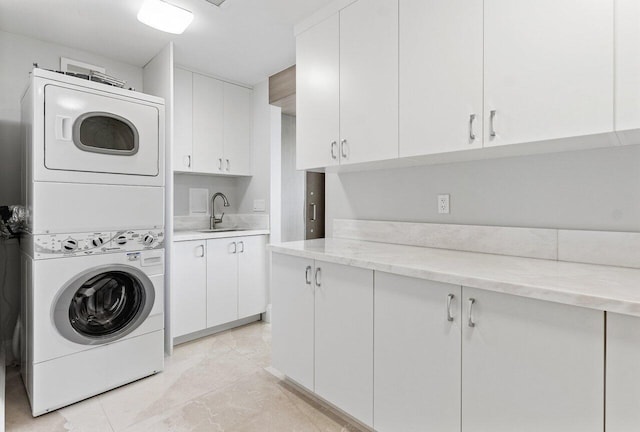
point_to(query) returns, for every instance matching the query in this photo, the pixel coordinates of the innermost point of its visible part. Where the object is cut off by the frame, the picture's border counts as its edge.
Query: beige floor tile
(223, 409)
(214, 384)
(252, 341)
(322, 416)
(190, 373)
(86, 416)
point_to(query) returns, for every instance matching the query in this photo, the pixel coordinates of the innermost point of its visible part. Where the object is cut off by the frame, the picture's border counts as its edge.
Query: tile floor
(216, 384)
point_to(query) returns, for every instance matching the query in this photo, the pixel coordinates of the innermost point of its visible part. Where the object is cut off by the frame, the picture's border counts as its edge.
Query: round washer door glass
(106, 304)
(103, 304)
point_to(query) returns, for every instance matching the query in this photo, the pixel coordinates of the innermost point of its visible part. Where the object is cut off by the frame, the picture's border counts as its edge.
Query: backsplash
(253, 221)
(593, 247)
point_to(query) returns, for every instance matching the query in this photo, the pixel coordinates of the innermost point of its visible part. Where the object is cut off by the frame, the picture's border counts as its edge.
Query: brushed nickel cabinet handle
(470, 312)
(472, 136)
(318, 277)
(219, 164)
(228, 165)
(307, 275)
(492, 130)
(334, 146)
(242, 244)
(343, 148)
(235, 247)
(201, 247)
(450, 298)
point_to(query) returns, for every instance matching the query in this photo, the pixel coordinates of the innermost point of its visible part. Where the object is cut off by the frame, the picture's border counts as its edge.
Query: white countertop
(187, 235)
(606, 288)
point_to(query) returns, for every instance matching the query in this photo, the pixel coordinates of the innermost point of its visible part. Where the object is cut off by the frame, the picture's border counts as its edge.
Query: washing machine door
(103, 304)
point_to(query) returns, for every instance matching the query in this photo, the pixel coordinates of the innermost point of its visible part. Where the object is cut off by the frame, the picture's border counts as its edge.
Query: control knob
(121, 240)
(97, 242)
(148, 239)
(69, 245)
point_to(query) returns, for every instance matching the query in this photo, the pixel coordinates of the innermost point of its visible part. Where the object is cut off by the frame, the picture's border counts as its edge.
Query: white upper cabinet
(440, 76)
(548, 68)
(238, 110)
(369, 81)
(183, 118)
(208, 123)
(213, 126)
(627, 64)
(318, 95)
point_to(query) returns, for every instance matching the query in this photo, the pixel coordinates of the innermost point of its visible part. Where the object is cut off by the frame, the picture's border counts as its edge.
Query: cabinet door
(548, 69)
(189, 290)
(238, 115)
(183, 120)
(252, 275)
(369, 81)
(627, 64)
(623, 376)
(440, 76)
(531, 366)
(416, 355)
(344, 338)
(292, 297)
(318, 95)
(222, 281)
(208, 136)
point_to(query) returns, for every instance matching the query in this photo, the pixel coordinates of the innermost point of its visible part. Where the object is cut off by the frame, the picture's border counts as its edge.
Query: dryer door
(103, 304)
(98, 133)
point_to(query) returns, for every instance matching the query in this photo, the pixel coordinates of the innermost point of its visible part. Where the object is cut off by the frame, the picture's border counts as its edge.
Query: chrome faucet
(214, 220)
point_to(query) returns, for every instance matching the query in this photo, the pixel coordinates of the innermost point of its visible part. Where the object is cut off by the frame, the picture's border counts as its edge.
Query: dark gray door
(314, 204)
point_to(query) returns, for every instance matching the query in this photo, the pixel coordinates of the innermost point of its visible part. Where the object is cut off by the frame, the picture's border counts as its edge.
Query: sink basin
(217, 230)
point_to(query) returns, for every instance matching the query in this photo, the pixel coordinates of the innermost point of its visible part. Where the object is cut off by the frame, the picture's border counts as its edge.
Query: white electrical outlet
(443, 204)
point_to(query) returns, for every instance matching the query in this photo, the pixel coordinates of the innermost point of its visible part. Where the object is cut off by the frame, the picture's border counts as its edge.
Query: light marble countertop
(186, 235)
(600, 287)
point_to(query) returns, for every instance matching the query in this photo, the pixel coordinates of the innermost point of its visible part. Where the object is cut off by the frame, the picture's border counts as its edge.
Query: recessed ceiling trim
(216, 2)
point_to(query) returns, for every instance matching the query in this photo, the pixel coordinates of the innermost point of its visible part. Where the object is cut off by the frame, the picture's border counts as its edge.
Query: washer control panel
(81, 244)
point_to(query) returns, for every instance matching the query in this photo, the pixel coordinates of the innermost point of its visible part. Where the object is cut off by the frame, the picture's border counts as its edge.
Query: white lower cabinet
(417, 355)
(323, 330)
(252, 281)
(405, 354)
(217, 281)
(292, 300)
(344, 338)
(623, 373)
(189, 288)
(222, 281)
(530, 365)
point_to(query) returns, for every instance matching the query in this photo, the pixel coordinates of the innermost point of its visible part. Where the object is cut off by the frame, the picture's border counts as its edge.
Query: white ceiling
(244, 40)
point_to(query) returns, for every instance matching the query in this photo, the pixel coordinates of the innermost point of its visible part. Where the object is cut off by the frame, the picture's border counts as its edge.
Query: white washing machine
(93, 156)
(92, 314)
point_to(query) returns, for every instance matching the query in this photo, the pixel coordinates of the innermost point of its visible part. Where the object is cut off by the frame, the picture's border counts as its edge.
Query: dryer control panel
(79, 244)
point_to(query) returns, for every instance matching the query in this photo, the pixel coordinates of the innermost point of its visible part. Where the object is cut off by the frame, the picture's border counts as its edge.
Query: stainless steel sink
(217, 230)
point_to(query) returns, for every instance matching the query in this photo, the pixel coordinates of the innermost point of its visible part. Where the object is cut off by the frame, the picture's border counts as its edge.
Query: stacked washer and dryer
(93, 256)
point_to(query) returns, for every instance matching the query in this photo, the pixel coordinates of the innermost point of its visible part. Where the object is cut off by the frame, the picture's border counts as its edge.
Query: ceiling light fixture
(165, 16)
(216, 2)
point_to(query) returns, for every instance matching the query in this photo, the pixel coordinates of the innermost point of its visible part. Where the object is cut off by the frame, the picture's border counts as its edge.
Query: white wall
(592, 189)
(17, 54)
(293, 185)
(229, 186)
